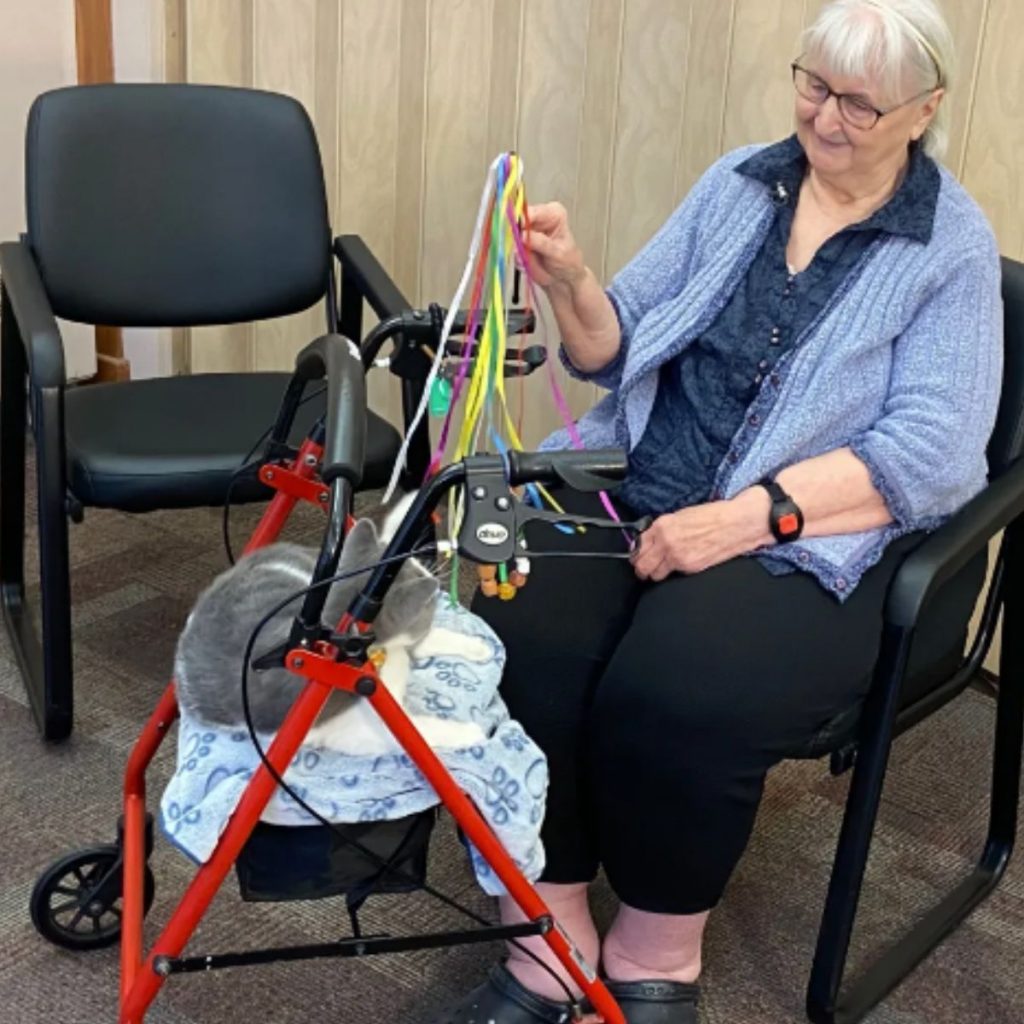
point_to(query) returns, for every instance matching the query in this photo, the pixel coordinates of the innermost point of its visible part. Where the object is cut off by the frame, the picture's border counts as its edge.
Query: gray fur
(208, 660)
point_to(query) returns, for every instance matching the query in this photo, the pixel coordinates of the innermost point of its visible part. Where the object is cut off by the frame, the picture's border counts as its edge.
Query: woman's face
(836, 147)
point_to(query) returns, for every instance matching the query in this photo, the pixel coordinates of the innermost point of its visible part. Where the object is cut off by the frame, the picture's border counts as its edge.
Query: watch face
(788, 523)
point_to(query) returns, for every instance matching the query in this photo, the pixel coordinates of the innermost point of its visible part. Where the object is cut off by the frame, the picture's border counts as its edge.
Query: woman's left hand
(698, 537)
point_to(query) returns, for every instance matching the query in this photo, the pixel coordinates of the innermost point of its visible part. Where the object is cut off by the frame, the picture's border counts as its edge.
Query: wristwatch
(785, 519)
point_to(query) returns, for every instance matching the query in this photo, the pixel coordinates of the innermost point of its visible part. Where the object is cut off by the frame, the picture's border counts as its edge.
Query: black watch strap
(785, 519)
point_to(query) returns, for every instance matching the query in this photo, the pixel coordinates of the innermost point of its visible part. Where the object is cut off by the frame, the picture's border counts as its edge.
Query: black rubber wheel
(76, 903)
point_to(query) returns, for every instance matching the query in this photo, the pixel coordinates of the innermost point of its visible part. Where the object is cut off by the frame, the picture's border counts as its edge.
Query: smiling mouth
(828, 143)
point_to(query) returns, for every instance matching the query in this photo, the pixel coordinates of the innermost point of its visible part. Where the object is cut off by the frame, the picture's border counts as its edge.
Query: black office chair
(904, 692)
(151, 205)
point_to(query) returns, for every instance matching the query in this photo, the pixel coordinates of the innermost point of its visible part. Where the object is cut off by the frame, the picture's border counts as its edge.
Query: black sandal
(656, 1002)
(502, 1000)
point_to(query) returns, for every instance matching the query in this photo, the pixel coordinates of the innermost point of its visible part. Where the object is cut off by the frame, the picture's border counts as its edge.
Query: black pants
(661, 707)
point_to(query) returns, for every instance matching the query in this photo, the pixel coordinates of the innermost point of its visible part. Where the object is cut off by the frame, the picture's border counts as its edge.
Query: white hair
(901, 44)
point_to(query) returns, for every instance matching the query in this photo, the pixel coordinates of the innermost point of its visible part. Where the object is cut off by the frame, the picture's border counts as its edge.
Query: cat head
(408, 607)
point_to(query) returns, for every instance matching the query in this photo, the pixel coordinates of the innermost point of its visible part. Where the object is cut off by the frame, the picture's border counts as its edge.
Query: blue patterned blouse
(705, 393)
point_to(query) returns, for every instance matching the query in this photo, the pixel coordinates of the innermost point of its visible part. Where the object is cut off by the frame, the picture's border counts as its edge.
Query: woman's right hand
(556, 258)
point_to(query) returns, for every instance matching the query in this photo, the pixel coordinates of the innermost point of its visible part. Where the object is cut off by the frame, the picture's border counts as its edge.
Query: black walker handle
(335, 357)
(581, 470)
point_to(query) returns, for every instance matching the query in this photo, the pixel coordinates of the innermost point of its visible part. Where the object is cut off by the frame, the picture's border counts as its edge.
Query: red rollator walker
(324, 470)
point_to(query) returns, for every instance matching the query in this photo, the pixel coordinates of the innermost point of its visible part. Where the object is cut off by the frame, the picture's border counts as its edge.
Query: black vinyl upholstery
(173, 205)
(1007, 438)
(170, 442)
(168, 205)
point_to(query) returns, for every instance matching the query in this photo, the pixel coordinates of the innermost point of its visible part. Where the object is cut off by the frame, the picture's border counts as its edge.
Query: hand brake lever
(492, 516)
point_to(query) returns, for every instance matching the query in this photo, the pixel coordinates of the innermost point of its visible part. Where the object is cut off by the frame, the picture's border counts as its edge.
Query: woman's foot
(656, 1002)
(503, 1000)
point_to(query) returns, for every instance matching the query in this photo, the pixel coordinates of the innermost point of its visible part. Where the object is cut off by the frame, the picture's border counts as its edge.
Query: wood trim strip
(94, 54)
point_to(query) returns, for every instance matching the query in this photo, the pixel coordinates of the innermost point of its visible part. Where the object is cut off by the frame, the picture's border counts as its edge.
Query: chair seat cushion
(175, 442)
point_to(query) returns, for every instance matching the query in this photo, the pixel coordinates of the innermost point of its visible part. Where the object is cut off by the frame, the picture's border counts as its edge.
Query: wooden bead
(517, 579)
(487, 572)
(506, 591)
(489, 588)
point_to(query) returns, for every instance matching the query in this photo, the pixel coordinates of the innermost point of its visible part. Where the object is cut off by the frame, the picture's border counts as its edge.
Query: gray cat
(208, 660)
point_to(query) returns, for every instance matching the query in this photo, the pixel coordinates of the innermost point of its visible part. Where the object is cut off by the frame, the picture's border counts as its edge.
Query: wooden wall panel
(327, 94)
(966, 21)
(284, 60)
(707, 74)
(218, 51)
(414, 47)
(995, 148)
(759, 91)
(652, 83)
(508, 55)
(598, 130)
(551, 102)
(459, 65)
(618, 106)
(368, 133)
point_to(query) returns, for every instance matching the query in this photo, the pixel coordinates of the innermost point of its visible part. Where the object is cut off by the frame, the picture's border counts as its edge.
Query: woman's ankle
(568, 904)
(642, 946)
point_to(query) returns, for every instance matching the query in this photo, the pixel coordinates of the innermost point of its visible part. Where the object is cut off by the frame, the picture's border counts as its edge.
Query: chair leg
(54, 564)
(45, 669)
(826, 1004)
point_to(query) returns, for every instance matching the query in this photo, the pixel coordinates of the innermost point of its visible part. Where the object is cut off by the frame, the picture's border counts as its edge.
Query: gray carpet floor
(134, 579)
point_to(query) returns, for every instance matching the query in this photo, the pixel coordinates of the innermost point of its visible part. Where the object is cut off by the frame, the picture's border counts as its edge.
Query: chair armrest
(359, 265)
(36, 323)
(951, 546)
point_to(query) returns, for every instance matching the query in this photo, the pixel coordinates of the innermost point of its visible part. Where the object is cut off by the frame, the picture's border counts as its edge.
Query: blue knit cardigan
(904, 364)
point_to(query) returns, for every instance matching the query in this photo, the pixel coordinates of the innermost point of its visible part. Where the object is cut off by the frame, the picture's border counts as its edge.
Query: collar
(910, 212)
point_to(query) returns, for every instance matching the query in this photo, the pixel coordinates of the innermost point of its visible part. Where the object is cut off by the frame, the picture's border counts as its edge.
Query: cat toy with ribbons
(498, 268)
(96, 896)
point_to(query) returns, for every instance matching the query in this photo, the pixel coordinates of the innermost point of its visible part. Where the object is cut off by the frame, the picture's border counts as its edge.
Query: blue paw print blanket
(506, 775)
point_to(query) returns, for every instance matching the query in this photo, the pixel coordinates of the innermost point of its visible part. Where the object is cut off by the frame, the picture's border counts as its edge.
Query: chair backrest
(173, 205)
(1007, 439)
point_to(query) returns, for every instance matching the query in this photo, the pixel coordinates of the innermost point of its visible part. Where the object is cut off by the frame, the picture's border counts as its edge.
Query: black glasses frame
(840, 96)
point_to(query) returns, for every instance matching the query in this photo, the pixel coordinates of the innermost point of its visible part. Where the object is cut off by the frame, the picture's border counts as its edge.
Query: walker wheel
(76, 903)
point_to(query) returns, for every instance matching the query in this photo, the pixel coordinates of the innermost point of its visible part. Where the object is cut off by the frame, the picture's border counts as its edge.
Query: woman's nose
(829, 122)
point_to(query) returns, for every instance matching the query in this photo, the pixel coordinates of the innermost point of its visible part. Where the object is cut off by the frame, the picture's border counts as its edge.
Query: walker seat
(506, 776)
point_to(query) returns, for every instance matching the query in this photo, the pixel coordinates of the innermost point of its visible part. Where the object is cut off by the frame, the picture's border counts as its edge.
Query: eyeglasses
(854, 109)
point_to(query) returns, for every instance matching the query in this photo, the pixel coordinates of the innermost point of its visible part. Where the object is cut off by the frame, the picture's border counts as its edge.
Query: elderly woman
(805, 364)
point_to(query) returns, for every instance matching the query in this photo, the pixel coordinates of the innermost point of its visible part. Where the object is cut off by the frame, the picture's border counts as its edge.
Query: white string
(453, 309)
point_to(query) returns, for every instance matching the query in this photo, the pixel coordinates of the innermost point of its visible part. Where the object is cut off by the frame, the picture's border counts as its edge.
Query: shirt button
(774, 379)
(776, 332)
(763, 365)
(758, 379)
(733, 458)
(754, 420)
(840, 583)
(804, 557)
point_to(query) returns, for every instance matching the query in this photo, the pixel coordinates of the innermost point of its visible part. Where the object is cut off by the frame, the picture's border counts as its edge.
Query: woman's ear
(928, 111)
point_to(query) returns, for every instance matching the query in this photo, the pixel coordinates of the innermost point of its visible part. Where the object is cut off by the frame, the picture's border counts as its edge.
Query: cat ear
(408, 609)
(362, 547)
(395, 513)
(360, 550)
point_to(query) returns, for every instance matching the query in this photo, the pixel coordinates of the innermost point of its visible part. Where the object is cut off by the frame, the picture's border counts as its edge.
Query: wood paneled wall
(617, 106)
